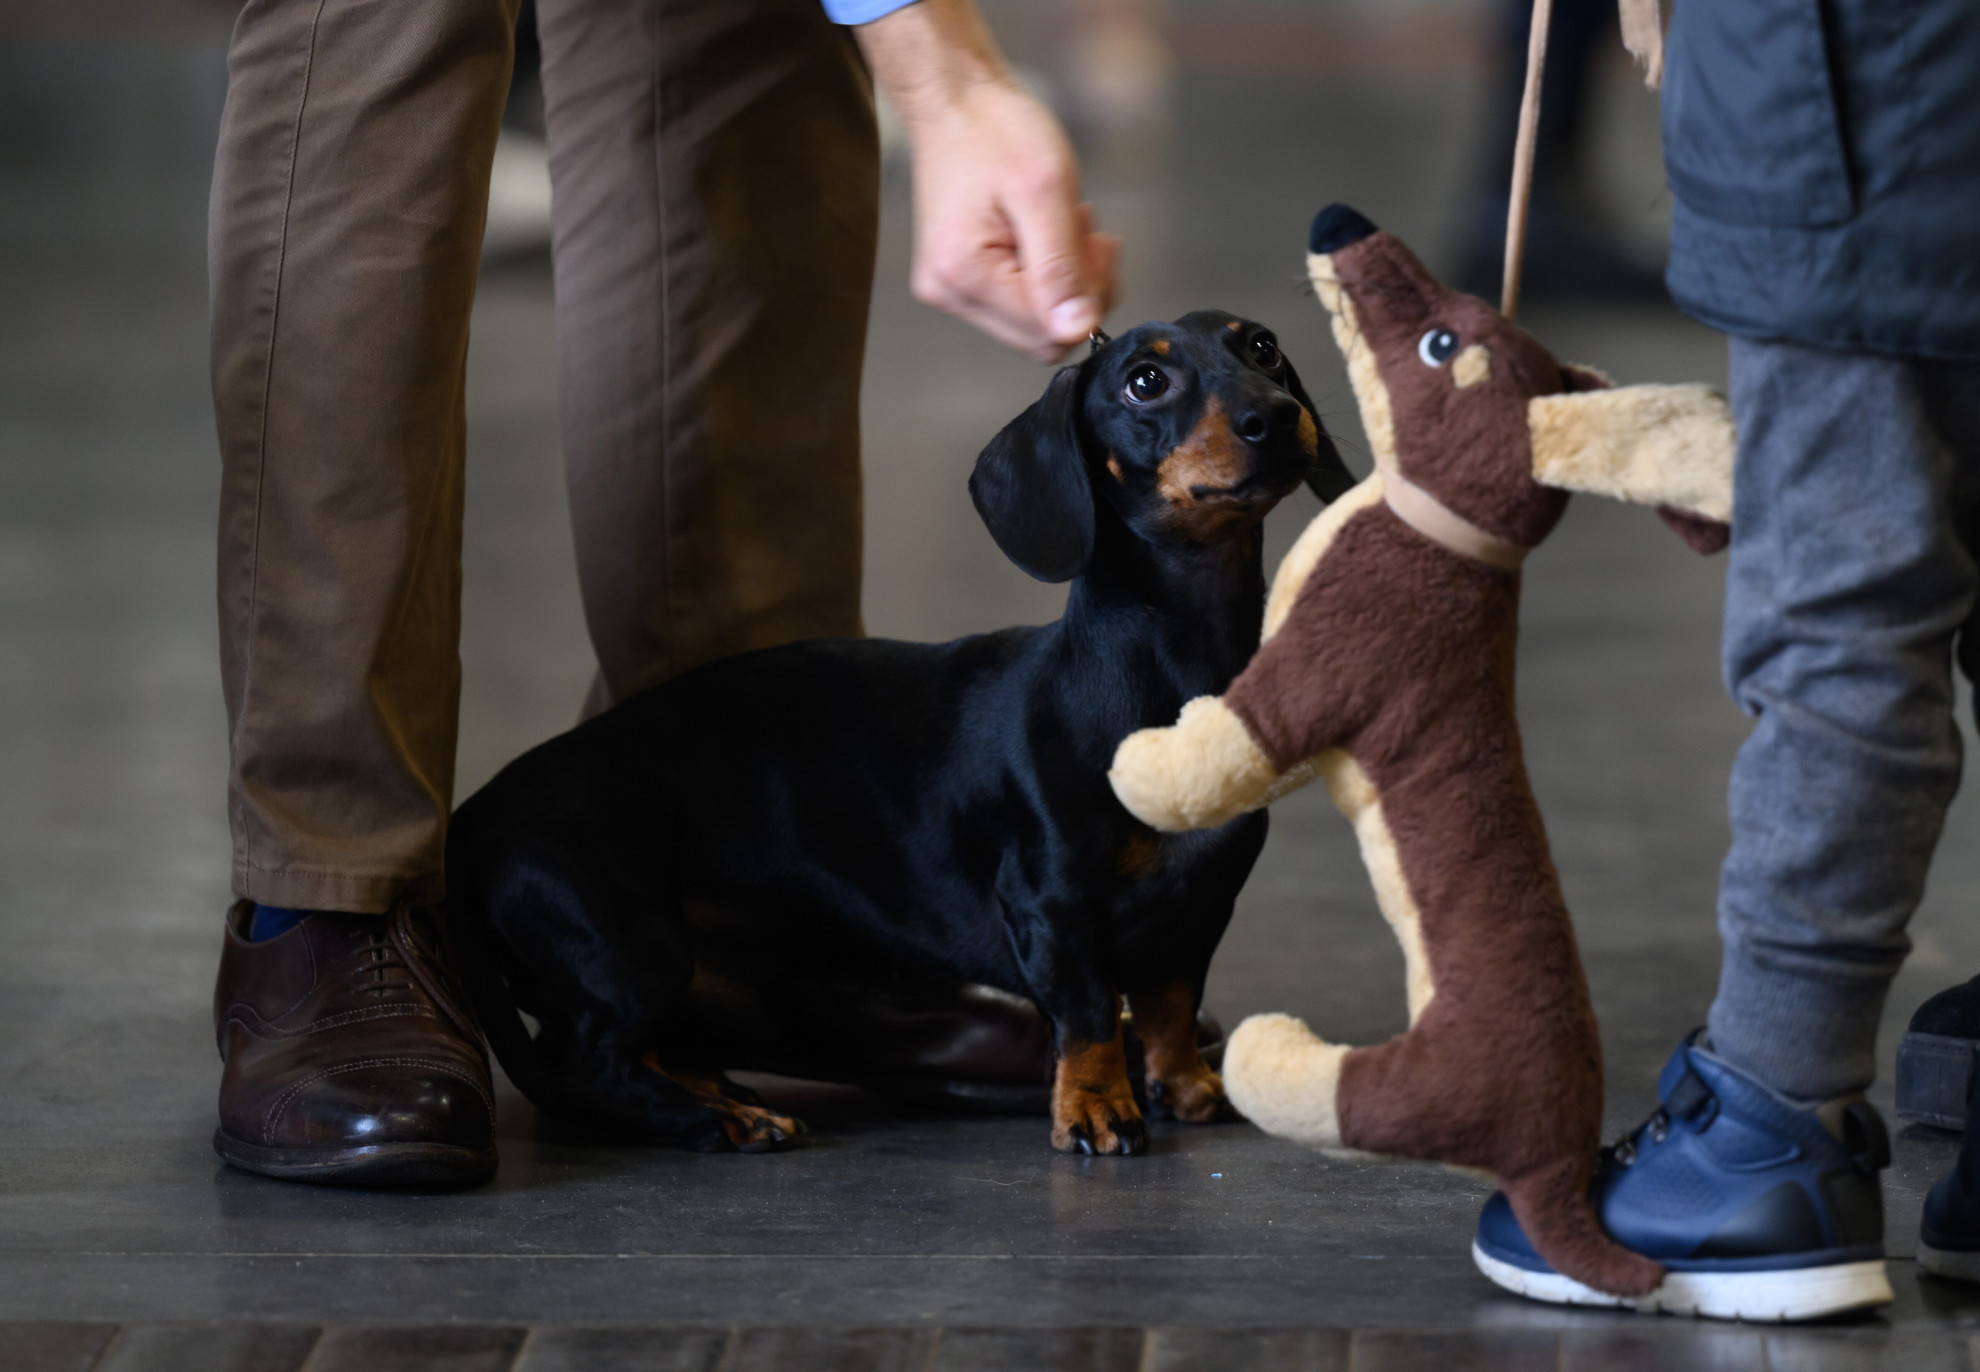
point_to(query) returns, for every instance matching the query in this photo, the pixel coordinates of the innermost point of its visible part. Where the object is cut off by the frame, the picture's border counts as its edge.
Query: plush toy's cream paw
(1201, 772)
(1654, 445)
(1285, 1079)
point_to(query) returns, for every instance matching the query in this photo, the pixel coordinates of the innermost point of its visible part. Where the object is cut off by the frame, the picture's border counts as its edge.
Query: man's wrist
(930, 55)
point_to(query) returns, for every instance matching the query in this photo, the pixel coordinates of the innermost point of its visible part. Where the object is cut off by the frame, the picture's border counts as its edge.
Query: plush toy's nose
(1337, 226)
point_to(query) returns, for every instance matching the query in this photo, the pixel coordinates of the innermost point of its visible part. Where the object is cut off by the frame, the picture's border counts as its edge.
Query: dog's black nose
(1257, 423)
(1337, 226)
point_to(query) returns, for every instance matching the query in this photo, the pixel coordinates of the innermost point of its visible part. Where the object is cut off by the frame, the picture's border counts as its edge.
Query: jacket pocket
(1751, 134)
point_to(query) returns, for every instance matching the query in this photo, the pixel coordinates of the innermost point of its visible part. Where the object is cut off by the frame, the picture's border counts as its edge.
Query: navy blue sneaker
(1758, 1207)
(1949, 1233)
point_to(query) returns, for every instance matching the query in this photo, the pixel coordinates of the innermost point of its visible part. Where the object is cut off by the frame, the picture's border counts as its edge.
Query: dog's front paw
(1195, 1096)
(1107, 1123)
(1093, 1109)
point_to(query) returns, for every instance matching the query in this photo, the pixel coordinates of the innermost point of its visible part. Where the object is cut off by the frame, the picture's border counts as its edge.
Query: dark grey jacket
(1825, 160)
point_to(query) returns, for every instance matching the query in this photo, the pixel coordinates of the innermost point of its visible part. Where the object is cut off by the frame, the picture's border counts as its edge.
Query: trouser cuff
(357, 894)
(1807, 1035)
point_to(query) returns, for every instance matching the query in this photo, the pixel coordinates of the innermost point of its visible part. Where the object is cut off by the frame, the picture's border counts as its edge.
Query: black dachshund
(866, 809)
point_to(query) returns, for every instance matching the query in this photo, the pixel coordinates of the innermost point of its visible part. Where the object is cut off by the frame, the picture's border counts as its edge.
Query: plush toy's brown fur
(1387, 671)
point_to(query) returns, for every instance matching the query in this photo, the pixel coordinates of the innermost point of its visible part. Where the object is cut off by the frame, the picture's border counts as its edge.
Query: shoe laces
(1690, 1099)
(1623, 1152)
(380, 967)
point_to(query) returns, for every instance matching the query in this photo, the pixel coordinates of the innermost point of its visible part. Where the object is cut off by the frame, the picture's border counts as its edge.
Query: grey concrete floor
(113, 857)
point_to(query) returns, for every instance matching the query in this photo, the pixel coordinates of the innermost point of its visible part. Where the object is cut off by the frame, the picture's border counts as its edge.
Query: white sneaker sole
(1944, 1262)
(1802, 1293)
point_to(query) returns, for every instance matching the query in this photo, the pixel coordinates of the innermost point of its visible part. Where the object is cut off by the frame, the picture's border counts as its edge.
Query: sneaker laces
(1623, 1151)
(1688, 1099)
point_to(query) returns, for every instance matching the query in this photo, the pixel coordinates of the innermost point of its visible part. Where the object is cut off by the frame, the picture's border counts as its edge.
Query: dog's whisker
(1352, 447)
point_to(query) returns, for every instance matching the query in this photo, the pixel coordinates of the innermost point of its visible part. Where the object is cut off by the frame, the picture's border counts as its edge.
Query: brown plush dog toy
(1387, 671)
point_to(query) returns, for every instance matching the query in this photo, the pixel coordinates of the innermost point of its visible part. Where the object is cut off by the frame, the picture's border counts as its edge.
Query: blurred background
(1211, 130)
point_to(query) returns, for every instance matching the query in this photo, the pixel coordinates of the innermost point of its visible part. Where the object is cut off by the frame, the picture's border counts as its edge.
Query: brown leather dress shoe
(350, 1060)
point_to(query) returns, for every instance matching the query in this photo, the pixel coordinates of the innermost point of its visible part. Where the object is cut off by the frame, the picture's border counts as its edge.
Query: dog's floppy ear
(1667, 446)
(1031, 486)
(1328, 477)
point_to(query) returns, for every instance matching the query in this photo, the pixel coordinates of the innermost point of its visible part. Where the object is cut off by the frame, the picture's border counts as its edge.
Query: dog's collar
(1441, 524)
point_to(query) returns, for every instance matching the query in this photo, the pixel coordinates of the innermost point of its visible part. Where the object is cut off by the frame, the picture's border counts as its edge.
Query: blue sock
(270, 920)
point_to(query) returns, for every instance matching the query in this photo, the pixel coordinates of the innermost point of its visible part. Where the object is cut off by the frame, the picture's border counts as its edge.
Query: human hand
(1001, 237)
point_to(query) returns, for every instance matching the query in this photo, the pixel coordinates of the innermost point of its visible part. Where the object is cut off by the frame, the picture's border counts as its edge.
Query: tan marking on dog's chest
(1312, 545)
(1139, 856)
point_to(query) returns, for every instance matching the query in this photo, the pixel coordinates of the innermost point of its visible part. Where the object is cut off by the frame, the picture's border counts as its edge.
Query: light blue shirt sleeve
(861, 11)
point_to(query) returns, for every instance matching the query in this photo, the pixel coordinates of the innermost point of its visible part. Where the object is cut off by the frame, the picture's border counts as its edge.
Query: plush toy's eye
(1436, 347)
(1265, 351)
(1145, 384)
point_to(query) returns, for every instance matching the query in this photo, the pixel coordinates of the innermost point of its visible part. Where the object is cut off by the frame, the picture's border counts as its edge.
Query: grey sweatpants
(1852, 583)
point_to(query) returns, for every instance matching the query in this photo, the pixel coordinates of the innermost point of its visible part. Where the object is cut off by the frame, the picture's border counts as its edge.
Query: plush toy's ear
(1328, 477)
(1031, 486)
(1667, 446)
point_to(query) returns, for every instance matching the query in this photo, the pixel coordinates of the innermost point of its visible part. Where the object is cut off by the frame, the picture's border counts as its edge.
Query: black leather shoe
(1935, 1058)
(350, 1060)
(1949, 1229)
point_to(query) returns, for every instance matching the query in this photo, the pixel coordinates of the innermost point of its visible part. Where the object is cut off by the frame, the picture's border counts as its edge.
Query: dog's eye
(1436, 347)
(1265, 351)
(1145, 384)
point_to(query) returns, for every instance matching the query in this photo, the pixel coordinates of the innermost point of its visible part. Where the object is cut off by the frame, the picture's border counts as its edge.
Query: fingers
(1103, 255)
(973, 274)
(991, 287)
(1055, 255)
(1002, 240)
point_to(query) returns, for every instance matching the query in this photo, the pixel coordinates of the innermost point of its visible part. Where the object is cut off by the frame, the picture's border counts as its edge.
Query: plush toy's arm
(1668, 446)
(1206, 769)
(1202, 771)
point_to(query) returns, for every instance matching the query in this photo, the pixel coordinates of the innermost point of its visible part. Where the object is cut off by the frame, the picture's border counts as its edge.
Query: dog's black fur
(867, 808)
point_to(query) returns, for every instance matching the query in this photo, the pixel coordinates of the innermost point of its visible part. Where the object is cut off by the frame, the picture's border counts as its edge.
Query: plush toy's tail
(1553, 1209)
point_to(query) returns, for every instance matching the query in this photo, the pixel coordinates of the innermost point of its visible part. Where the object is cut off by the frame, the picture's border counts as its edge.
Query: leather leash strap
(1441, 524)
(1523, 146)
(1643, 35)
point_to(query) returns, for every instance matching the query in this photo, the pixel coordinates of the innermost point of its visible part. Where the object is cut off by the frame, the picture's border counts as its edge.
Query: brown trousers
(715, 174)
